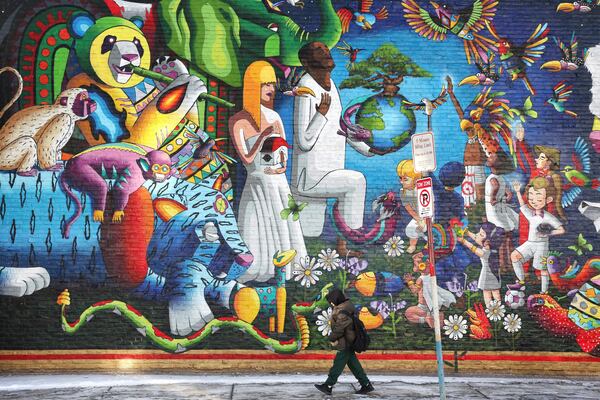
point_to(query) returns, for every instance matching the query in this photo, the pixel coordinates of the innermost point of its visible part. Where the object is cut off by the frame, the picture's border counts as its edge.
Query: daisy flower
(324, 322)
(329, 260)
(512, 323)
(307, 272)
(455, 327)
(496, 311)
(394, 246)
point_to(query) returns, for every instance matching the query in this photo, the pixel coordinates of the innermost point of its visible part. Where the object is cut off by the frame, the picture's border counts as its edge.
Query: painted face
(78, 101)
(267, 93)
(114, 52)
(160, 172)
(537, 198)
(542, 161)
(407, 182)
(320, 57)
(492, 159)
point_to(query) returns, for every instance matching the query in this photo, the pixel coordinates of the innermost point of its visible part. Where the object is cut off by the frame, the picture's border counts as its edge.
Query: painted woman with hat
(543, 161)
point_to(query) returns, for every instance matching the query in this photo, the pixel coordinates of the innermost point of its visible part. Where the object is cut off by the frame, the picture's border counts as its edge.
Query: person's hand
(450, 88)
(382, 152)
(269, 171)
(517, 186)
(494, 202)
(335, 343)
(323, 106)
(408, 277)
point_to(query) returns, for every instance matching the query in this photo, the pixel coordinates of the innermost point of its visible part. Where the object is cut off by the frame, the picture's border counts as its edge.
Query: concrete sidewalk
(281, 387)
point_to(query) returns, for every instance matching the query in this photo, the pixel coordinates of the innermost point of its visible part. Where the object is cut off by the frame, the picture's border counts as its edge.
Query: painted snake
(382, 229)
(180, 345)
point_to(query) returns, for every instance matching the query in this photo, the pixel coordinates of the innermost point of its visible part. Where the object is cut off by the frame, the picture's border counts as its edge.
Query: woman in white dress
(487, 243)
(259, 139)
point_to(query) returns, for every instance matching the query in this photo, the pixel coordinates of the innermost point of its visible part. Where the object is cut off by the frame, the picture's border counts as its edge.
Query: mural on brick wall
(206, 171)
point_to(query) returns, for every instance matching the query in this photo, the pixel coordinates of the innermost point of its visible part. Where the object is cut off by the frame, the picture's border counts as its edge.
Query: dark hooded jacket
(342, 327)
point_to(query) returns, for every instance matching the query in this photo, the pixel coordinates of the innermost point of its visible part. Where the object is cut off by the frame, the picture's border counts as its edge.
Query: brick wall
(193, 263)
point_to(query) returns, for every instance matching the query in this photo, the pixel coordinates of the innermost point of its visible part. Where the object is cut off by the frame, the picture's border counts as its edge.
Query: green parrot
(561, 94)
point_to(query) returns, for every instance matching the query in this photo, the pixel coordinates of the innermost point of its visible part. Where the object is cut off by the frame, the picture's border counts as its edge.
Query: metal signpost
(423, 152)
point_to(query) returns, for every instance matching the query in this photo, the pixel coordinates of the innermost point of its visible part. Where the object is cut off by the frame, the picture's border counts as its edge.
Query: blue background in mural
(512, 20)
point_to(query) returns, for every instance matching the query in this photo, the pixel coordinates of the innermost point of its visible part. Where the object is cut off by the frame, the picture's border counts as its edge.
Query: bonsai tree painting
(383, 71)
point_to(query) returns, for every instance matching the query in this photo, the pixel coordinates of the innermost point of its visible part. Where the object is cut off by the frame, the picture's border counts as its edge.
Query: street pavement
(281, 387)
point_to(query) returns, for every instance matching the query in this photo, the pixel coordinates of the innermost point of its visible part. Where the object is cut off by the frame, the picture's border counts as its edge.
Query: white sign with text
(423, 152)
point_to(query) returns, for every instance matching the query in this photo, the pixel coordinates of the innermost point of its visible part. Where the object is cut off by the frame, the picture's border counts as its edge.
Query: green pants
(343, 358)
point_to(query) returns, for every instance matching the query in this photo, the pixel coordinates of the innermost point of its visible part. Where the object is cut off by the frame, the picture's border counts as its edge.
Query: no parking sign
(425, 197)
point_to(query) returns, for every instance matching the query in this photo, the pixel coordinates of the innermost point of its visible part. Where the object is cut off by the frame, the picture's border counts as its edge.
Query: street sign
(423, 152)
(425, 197)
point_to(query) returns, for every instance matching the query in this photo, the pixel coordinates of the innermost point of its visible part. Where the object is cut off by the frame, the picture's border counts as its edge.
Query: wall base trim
(511, 363)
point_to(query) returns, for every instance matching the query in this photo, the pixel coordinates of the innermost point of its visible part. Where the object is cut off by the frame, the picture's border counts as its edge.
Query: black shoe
(324, 388)
(368, 388)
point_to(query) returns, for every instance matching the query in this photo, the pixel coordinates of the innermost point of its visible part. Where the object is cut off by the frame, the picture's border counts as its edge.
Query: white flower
(394, 246)
(324, 322)
(496, 311)
(455, 327)
(512, 323)
(329, 260)
(307, 272)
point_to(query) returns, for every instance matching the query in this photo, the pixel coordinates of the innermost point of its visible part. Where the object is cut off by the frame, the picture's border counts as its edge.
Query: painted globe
(392, 124)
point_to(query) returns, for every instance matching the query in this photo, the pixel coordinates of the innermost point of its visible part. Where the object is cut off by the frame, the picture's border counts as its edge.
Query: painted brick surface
(257, 211)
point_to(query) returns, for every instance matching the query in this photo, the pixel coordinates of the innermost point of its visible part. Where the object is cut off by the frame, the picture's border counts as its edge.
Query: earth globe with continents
(391, 124)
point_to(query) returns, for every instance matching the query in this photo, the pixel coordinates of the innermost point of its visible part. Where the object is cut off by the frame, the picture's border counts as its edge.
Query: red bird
(480, 324)
(363, 18)
(350, 52)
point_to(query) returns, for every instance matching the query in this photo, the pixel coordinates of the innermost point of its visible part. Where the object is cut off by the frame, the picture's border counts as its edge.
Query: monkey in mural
(36, 134)
(127, 165)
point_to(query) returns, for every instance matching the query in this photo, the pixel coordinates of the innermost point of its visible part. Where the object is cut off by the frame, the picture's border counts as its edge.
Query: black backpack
(362, 339)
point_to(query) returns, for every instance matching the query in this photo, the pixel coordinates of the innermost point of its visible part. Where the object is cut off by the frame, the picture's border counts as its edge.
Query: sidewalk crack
(477, 390)
(106, 392)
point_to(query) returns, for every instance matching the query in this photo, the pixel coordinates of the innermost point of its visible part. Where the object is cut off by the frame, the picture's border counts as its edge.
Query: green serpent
(179, 345)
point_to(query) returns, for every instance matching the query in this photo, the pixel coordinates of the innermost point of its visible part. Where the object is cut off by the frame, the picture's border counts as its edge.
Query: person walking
(342, 338)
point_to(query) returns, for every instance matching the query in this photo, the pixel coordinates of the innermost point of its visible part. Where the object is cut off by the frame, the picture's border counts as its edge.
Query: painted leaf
(285, 213)
(291, 202)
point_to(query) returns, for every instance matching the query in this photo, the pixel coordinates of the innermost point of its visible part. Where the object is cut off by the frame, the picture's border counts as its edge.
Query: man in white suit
(319, 152)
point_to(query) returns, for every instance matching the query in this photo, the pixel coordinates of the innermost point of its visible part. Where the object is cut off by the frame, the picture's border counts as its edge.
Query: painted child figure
(498, 196)
(408, 196)
(542, 225)
(421, 313)
(488, 240)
